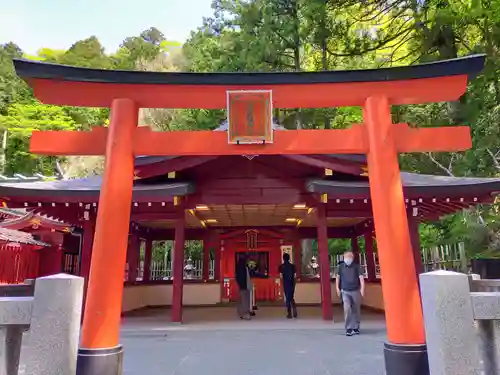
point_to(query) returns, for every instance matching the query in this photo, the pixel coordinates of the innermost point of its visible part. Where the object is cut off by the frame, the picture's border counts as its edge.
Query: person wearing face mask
(350, 285)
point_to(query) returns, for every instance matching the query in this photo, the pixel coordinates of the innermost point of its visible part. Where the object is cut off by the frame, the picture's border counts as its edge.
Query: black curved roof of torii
(469, 65)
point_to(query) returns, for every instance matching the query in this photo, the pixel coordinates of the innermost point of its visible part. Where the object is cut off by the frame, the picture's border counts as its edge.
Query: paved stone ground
(213, 342)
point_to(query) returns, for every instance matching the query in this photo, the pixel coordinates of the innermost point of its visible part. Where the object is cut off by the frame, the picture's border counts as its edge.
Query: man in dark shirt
(288, 272)
(243, 281)
(350, 284)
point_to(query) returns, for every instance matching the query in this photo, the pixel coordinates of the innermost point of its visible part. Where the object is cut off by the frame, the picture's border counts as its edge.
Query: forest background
(293, 35)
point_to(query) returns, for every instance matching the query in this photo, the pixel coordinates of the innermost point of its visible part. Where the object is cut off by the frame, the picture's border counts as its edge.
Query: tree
(143, 48)
(12, 88)
(88, 53)
(299, 35)
(18, 124)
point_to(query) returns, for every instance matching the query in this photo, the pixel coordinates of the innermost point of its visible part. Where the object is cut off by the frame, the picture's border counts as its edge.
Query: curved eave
(66, 85)
(469, 66)
(11, 235)
(414, 186)
(88, 189)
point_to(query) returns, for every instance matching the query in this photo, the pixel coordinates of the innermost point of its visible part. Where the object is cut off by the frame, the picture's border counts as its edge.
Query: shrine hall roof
(414, 185)
(17, 236)
(87, 188)
(469, 65)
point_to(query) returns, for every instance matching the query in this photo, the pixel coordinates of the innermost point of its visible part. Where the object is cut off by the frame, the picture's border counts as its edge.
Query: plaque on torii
(250, 117)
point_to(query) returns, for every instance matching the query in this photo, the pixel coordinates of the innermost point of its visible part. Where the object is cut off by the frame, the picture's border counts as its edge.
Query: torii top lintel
(433, 82)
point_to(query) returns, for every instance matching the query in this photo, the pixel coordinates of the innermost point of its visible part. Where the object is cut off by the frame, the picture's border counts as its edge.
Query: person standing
(350, 285)
(288, 273)
(251, 265)
(244, 285)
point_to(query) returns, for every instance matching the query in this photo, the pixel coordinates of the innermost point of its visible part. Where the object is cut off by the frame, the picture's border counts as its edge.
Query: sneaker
(349, 332)
(355, 331)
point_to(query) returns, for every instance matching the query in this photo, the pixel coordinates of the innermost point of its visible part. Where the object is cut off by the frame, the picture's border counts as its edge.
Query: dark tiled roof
(21, 218)
(17, 236)
(87, 188)
(414, 185)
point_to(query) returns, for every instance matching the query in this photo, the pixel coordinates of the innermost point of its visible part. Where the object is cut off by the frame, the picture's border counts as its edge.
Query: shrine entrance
(250, 99)
(262, 250)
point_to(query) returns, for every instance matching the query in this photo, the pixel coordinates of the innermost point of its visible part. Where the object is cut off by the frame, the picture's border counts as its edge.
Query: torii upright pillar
(100, 351)
(406, 352)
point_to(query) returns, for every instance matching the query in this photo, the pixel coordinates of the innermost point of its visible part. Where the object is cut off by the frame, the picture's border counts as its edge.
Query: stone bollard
(52, 341)
(10, 349)
(449, 324)
(488, 327)
(15, 315)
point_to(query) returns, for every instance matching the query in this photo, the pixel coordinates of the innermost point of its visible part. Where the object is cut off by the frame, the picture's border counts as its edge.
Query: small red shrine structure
(37, 245)
(282, 185)
(19, 256)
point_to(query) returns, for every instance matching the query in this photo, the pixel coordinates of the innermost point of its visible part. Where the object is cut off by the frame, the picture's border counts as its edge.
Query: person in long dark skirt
(243, 281)
(288, 273)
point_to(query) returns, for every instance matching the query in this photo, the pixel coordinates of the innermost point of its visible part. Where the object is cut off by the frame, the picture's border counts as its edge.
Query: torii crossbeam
(381, 140)
(292, 142)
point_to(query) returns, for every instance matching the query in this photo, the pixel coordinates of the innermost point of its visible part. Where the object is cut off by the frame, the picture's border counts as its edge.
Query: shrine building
(34, 245)
(250, 186)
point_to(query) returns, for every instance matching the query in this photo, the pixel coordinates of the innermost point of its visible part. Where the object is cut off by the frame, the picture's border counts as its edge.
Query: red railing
(17, 263)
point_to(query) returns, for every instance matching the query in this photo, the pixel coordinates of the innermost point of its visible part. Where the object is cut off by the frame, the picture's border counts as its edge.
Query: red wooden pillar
(207, 243)
(355, 248)
(100, 348)
(178, 268)
(148, 254)
(324, 264)
(406, 350)
(86, 250)
(217, 257)
(370, 259)
(133, 257)
(86, 253)
(297, 255)
(413, 226)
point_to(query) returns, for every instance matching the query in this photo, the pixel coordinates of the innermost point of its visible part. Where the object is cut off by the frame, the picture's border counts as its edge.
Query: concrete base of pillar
(108, 361)
(406, 359)
(10, 348)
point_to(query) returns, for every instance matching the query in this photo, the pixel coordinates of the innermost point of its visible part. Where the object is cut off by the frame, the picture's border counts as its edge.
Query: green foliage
(335, 245)
(299, 35)
(144, 47)
(257, 35)
(18, 124)
(87, 53)
(162, 250)
(12, 88)
(20, 113)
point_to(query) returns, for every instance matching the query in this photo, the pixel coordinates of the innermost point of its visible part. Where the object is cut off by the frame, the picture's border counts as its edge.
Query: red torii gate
(374, 90)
